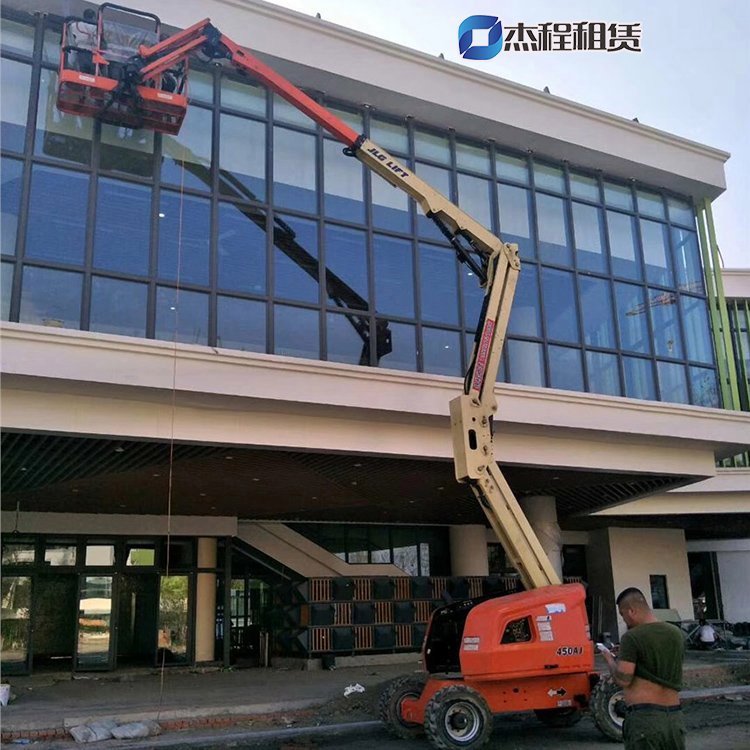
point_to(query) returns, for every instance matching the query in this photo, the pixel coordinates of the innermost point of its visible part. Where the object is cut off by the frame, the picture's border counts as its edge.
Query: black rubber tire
(389, 706)
(559, 718)
(457, 717)
(607, 704)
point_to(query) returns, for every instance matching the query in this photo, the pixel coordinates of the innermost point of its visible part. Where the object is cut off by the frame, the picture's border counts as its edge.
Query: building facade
(228, 355)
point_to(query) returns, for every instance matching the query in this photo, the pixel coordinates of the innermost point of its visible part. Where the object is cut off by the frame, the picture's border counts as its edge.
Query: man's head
(633, 607)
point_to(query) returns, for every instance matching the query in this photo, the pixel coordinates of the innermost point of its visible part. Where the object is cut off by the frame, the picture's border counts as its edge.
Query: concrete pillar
(469, 551)
(205, 604)
(541, 513)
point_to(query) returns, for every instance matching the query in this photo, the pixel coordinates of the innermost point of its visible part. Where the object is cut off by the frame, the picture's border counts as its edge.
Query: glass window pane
(192, 147)
(438, 284)
(549, 177)
(18, 553)
(525, 318)
(632, 317)
(294, 184)
(559, 300)
(346, 257)
(650, 204)
(512, 168)
(565, 368)
(441, 351)
(672, 382)
(15, 81)
(139, 555)
(639, 378)
(351, 118)
(342, 178)
(240, 324)
(622, 245)
(473, 297)
(515, 226)
(697, 331)
(287, 113)
(705, 387)
(11, 177)
(390, 206)
(7, 270)
(181, 316)
(552, 224)
(51, 298)
(681, 212)
(596, 311)
(118, 307)
(390, 135)
(56, 227)
(394, 276)
(242, 96)
(587, 226)
(475, 158)
(173, 625)
(60, 554)
(665, 326)
(122, 236)
(438, 179)
(184, 238)
(59, 135)
(296, 332)
(201, 87)
(474, 198)
(432, 146)
(687, 260)
(403, 354)
(242, 158)
(17, 37)
(241, 247)
(14, 626)
(296, 260)
(346, 343)
(618, 196)
(525, 363)
(603, 374)
(584, 186)
(100, 555)
(656, 253)
(51, 47)
(126, 150)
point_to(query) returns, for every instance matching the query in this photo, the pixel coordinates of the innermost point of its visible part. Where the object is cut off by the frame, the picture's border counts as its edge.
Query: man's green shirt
(656, 649)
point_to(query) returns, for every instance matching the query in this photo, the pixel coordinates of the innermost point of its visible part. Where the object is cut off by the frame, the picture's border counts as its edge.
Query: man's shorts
(652, 727)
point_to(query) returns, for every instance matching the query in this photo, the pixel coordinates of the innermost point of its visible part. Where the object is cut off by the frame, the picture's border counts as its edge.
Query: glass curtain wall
(251, 230)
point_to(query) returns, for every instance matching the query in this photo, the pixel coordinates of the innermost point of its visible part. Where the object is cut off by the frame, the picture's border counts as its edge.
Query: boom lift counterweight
(530, 650)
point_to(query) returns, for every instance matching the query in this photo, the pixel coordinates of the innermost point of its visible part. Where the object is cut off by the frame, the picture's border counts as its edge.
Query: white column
(469, 551)
(205, 605)
(541, 513)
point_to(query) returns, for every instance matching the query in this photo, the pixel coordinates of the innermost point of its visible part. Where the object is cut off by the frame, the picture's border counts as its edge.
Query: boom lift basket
(99, 65)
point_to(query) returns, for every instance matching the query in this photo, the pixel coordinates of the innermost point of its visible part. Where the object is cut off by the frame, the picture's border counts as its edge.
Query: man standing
(649, 669)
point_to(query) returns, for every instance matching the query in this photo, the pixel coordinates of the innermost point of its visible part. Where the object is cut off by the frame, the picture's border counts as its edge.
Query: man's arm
(623, 672)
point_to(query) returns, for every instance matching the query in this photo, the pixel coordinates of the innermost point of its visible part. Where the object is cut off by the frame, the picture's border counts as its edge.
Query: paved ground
(247, 703)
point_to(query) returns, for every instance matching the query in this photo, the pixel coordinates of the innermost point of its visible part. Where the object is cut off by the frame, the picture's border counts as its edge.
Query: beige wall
(469, 550)
(638, 553)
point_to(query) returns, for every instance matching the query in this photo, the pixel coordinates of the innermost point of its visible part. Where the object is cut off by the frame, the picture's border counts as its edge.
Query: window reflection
(439, 179)
(348, 338)
(15, 81)
(656, 253)
(438, 284)
(622, 245)
(705, 387)
(603, 373)
(11, 175)
(632, 316)
(391, 136)
(390, 206)
(51, 298)
(665, 326)
(525, 363)
(565, 368)
(296, 332)
(475, 158)
(296, 261)
(687, 260)
(242, 158)
(588, 230)
(473, 297)
(596, 312)
(56, 227)
(346, 259)
(17, 37)
(697, 331)
(294, 184)
(618, 196)
(173, 623)
(560, 310)
(184, 238)
(240, 324)
(441, 351)
(474, 198)
(513, 168)
(681, 212)
(123, 227)
(7, 271)
(118, 307)
(639, 378)
(552, 225)
(242, 96)
(650, 204)
(672, 382)
(583, 186)
(14, 626)
(394, 276)
(186, 158)
(181, 316)
(515, 225)
(127, 150)
(60, 135)
(342, 178)
(94, 621)
(431, 146)
(403, 355)
(549, 177)
(525, 317)
(241, 248)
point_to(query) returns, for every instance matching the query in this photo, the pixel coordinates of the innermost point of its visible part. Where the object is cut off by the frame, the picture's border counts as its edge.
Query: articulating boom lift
(530, 650)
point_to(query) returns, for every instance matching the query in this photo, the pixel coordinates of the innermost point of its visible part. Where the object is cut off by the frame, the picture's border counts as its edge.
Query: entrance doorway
(55, 600)
(137, 609)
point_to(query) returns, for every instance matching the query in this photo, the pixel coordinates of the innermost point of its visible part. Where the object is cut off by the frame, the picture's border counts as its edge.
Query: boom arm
(495, 263)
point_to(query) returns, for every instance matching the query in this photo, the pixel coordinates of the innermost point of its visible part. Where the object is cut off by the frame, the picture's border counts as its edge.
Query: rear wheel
(457, 717)
(389, 706)
(559, 718)
(608, 708)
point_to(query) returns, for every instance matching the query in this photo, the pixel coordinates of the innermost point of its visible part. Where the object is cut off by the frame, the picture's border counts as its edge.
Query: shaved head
(632, 598)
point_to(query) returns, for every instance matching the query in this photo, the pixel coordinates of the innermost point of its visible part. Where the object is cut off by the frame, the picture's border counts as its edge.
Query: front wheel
(389, 706)
(608, 708)
(457, 717)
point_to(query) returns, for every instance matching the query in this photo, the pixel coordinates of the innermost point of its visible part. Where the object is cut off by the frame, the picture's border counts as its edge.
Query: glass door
(14, 627)
(94, 638)
(174, 620)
